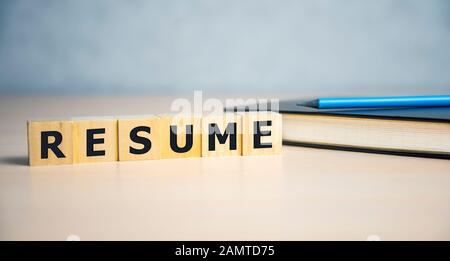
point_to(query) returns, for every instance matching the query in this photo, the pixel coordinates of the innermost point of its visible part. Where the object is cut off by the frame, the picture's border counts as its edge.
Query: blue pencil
(382, 102)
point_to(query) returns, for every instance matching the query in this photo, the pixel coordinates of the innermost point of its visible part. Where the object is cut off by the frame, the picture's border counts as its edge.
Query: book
(423, 132)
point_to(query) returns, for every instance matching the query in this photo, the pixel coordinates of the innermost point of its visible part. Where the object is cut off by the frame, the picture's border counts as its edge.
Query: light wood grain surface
(302, 194)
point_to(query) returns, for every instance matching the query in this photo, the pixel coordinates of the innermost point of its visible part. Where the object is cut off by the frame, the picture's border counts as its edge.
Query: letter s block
(262, 133)
(50, 142)
(139, 138)
(222, 135)
(181, 136)
(95, 140)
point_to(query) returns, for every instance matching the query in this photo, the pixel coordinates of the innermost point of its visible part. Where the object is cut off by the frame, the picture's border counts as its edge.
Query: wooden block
(50, 142)
(181, 136)
(139, 138)
(95, 140)
(262, 133)
(222, 135)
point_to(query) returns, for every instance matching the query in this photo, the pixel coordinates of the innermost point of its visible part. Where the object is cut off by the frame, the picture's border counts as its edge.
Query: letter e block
(181, 136)
(50, 143)
(262, 133)
(95, 140)
(222, 135)
(139, 138)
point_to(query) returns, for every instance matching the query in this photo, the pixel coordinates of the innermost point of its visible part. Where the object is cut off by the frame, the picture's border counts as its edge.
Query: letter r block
(139, 138)
(262, 133)
(95, 140)
(222, 135)
(181, 136)
(50, 142)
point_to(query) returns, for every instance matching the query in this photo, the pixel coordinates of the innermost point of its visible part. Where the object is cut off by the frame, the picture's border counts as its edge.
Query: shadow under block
(262, 133)
(50, 142)
(222, 135)
(180, 136)
(95, 140)
(139, 138)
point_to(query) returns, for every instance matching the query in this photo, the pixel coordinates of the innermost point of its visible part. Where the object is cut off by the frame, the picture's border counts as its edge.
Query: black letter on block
(213, 131)
(258, 133)
(90, 141)
(142, 140)
(189, 139)
(53, 146)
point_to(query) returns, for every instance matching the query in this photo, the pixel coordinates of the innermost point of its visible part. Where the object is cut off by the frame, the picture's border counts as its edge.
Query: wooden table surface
(303, 194)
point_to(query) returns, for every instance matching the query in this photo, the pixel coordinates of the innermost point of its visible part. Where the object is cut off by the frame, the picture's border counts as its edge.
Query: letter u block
(222, 135)
(262, 133)
(50, 142)
(95, 140)
(139, 138)
(180, 136)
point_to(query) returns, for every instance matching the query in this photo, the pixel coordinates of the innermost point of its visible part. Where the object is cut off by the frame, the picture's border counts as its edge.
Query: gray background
(332, 47)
